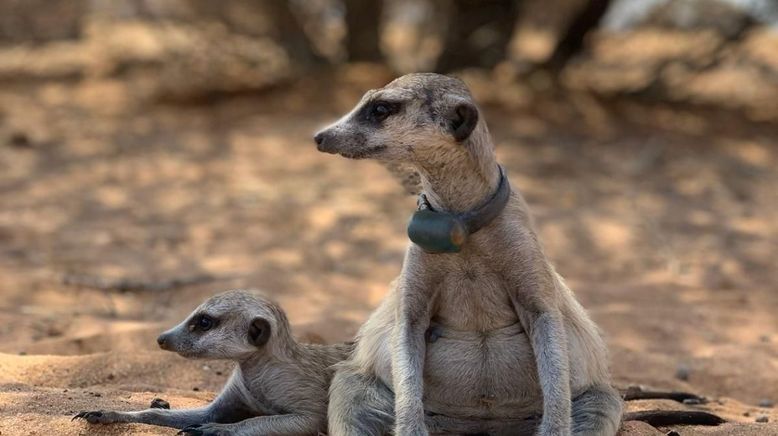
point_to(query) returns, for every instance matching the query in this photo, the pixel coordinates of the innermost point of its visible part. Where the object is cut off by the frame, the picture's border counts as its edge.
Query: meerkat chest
(473, 298)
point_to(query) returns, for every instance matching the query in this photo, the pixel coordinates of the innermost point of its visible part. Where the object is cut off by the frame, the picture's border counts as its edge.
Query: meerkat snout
(326, 141)
(321, 141)
(162, 341)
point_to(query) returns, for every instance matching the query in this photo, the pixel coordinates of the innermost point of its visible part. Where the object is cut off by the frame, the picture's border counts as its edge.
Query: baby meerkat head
(407, 121)
(232, 325)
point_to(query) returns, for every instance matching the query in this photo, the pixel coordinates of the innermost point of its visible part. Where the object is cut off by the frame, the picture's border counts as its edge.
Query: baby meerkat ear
(259, 331)
(462, 118)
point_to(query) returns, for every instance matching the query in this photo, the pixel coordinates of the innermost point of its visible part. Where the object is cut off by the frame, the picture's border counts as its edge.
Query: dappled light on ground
(115, 223)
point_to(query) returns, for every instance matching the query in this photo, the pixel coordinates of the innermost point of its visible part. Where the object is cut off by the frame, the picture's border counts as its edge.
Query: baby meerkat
(279, 386)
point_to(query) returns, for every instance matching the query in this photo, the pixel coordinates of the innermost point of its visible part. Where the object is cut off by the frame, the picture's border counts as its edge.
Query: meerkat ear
(462, 119)
(259, 331)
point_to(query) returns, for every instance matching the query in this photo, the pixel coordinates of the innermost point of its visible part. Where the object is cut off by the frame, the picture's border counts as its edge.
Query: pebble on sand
(159, 403)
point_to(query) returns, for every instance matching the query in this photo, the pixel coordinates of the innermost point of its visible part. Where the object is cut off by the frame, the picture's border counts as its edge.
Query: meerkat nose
(319, 138)
(162, 341)
(323, 142)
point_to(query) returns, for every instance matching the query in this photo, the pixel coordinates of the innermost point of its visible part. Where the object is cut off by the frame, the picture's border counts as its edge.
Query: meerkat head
(409, 121)
(231, 325)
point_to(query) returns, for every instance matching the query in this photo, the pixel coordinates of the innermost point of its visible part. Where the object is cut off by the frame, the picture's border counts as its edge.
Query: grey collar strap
(442, 232)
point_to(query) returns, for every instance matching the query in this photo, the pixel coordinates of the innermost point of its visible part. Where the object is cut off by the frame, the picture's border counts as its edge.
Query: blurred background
(154, 152)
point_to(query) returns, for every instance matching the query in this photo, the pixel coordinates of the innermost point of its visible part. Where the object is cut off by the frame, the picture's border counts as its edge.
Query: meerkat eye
(380, 111)
(204, 323)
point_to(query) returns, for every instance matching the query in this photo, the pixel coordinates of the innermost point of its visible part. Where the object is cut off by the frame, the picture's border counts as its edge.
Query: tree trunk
(478, 33)
(291, 34)
(572, 40)
(40, 21)
(363, 23)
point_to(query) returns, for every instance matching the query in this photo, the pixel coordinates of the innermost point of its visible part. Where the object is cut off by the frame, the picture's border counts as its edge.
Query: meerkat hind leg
(597, 412)
(360, 405)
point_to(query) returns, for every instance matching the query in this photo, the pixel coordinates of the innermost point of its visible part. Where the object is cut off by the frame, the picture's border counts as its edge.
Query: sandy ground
(663, 220)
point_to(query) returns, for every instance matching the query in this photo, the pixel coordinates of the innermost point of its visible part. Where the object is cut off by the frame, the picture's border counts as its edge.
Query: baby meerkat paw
(96, 417)
(207, 430)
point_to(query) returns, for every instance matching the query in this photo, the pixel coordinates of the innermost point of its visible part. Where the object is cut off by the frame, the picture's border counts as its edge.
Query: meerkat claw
(90, 417)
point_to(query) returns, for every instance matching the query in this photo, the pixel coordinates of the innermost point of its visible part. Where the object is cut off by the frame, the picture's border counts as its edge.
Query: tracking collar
(441, 232)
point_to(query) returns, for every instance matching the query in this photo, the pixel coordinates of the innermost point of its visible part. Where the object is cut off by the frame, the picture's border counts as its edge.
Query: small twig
(131, 285)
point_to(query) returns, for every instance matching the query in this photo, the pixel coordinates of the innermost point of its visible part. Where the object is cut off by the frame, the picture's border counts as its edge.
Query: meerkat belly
(490, 374)
(479, 361)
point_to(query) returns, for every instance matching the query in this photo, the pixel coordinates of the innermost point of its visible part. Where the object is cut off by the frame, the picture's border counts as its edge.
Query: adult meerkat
(278, 387)
(509, 340)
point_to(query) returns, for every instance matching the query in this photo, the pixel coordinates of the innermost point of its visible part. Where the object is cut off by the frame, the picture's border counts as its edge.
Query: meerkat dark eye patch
(381, 110)
(462, 120)
(375, 112)
(259, 331)
(202, 323)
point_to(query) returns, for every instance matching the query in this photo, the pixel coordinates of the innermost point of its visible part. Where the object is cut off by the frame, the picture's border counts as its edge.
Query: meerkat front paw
(98, 417)
(208, 430)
